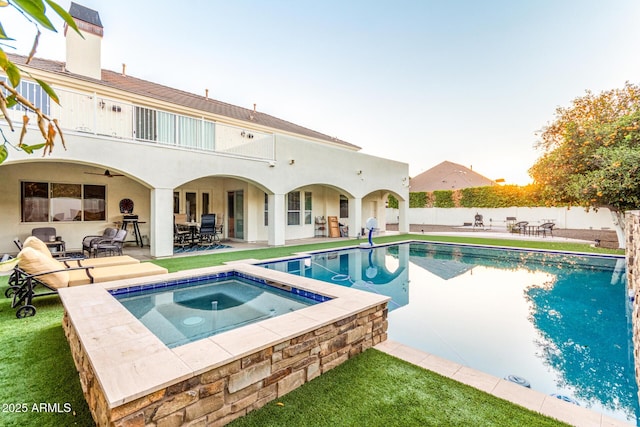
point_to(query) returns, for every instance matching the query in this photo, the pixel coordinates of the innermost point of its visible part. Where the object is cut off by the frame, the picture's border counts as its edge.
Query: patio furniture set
(524, 228)
(192, 233)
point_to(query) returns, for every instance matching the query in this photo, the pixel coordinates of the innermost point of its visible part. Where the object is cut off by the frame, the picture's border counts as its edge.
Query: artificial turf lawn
(37, 367)
(375, 389)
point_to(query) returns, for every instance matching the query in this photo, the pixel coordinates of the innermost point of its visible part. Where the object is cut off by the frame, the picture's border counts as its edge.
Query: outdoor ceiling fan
(106, 173)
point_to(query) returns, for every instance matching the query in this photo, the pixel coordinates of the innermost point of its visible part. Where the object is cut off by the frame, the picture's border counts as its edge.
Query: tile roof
(159, 92)
(448, 176)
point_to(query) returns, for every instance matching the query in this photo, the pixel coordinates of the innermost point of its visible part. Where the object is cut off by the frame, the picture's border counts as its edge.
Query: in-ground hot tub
(129, 375)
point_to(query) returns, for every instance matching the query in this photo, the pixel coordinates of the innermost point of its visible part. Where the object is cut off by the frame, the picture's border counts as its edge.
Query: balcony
(112, 118)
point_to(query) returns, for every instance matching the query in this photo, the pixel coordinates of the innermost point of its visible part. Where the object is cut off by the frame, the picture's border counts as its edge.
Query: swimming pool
(560, 321)
(185, 311)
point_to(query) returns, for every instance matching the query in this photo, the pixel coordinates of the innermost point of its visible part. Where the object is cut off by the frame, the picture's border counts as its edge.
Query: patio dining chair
(208, 232)
(181, 234)
(545, 228)
(520, 227)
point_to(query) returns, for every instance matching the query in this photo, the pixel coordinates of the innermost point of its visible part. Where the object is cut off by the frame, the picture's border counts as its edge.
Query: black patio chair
(208, 233)
(520, 227)
(545, 228)
(478, 221)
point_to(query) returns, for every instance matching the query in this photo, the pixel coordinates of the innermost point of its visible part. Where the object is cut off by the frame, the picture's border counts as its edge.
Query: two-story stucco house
(168, 151)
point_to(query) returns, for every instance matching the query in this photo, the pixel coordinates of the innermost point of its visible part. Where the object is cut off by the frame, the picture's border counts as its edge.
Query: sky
(472, 82)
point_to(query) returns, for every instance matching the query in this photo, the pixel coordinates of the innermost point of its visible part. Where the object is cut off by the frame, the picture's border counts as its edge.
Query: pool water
(562, 322)
(186, 312)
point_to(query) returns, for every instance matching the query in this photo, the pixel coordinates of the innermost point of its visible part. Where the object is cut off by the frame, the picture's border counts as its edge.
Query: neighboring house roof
(159, 92)
(448, 176)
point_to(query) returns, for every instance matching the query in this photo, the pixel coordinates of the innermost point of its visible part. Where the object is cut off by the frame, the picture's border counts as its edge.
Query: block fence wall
(632, 233)
(575, 217)
(224, 393)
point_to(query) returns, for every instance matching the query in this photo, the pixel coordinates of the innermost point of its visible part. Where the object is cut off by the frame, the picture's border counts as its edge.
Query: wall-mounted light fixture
(272, 164)
(246, 135)
(101, 104)
(292, 162)
(359, 172)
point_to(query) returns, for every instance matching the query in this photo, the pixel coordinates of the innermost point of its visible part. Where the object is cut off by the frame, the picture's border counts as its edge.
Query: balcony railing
(94, 114)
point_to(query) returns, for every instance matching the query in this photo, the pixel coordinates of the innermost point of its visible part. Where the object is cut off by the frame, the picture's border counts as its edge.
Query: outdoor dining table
(193, 227)
(532, 230)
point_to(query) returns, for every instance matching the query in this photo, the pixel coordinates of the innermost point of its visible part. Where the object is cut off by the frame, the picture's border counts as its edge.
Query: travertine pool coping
(514, 393)
(130, 362)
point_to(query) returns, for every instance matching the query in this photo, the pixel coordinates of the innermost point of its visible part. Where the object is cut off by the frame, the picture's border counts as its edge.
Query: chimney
(83, 55)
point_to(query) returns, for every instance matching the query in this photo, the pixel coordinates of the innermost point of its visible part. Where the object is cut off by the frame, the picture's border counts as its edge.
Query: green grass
(375, 389)
(37, 367)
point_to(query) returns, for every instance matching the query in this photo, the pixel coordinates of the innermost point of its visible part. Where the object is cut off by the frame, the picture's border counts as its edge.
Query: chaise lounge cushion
(32, 262)
(101, 262)
(38, 245)
(115, 272)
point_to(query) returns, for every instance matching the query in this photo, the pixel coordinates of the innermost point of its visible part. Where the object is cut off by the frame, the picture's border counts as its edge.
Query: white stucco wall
(325, 170)
(573, 218)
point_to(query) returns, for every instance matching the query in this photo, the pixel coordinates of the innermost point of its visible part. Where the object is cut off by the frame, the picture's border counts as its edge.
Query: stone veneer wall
(632, 233)
(227, 392)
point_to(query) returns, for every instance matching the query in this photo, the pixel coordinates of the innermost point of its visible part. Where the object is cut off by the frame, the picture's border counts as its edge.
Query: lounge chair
(36, 269)
(37, 244)
(89, 241)
(110, 246)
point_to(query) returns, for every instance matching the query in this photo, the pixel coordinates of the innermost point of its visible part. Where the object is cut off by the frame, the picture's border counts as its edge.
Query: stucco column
(403, 216)
(161, 222)
(277, 219)
(355, 216)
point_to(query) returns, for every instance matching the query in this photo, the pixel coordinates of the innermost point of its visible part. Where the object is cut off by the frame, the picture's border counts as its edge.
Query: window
(146, 124)
(344, 207)
(266, 209)
(176, 202)
(66, 202)
(94, 206)
(293, 208)
(35, 202)
(205, 203)
(307, 207)
(44, 202)
(191, 206)
(34, 93)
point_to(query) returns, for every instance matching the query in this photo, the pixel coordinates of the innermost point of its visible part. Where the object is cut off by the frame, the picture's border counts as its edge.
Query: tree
(592, 154)
(35, 12)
